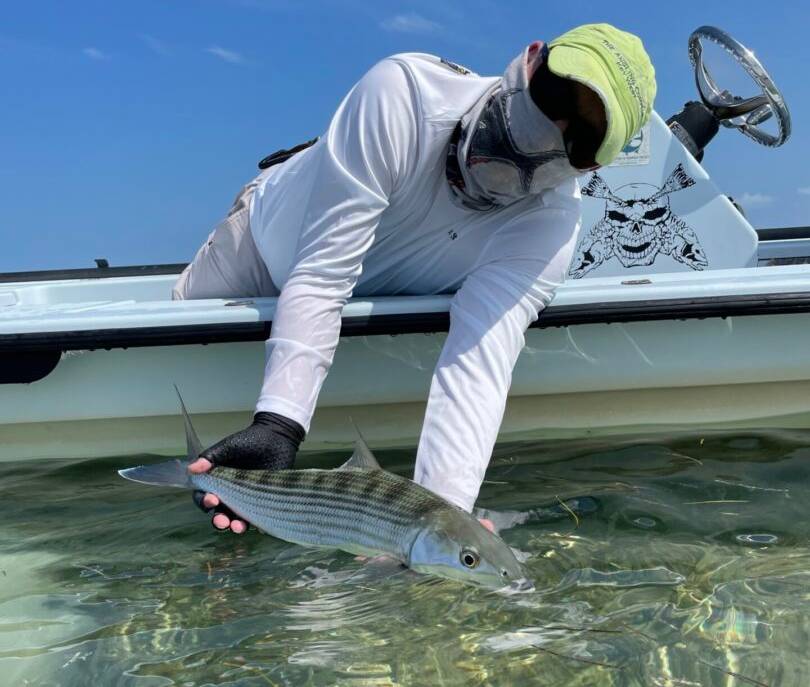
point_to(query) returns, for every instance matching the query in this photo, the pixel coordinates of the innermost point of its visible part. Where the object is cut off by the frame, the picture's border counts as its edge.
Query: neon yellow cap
(615, 65)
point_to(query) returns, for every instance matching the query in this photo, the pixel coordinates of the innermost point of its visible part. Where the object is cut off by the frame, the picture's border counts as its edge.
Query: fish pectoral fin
(362, 456)
(378, 568)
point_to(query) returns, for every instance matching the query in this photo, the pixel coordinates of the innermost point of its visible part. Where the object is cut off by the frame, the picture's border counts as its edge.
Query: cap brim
(572, 63)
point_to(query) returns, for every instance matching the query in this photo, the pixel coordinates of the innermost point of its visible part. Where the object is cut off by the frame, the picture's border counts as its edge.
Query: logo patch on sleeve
(456, 67)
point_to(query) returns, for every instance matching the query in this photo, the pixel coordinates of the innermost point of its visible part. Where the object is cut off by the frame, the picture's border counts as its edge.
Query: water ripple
(686, 564)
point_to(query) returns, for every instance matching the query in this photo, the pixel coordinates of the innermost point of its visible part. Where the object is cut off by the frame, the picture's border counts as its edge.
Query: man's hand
(270, 443)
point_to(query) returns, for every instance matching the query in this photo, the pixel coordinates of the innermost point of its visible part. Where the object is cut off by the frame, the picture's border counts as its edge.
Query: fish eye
(504, 572)
(469, 558)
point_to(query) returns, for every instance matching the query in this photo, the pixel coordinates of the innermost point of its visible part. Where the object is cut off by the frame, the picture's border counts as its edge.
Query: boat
(677, 314)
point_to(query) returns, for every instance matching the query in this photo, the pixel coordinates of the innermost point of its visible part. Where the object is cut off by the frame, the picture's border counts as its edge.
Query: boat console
(655, 210)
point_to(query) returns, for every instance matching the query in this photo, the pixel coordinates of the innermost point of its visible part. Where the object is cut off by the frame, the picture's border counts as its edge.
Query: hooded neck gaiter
(505, 148)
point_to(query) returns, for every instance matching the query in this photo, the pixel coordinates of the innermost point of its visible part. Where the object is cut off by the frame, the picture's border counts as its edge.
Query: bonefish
(359, 508)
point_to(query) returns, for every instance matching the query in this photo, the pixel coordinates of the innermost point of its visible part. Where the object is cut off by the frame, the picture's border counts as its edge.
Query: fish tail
(171, 473)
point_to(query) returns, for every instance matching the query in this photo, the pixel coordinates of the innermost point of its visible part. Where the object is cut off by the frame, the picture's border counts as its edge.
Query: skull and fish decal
(637, 227)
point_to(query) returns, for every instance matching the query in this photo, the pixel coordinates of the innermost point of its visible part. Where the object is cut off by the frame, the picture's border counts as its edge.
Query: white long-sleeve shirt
(368, 211)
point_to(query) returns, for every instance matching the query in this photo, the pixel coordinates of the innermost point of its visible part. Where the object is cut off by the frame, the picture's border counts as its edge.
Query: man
(430, 179)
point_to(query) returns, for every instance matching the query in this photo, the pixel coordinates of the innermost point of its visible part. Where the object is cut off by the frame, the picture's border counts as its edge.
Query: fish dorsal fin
(362, 456)
(193, 445)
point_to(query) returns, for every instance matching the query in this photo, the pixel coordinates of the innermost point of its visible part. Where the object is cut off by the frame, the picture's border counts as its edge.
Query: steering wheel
(745, 114)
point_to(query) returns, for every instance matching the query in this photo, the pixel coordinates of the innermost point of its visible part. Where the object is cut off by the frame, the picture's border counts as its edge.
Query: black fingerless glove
(270, 443)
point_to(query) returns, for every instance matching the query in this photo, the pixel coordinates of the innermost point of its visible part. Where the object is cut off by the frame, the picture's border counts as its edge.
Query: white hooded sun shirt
(368, 211)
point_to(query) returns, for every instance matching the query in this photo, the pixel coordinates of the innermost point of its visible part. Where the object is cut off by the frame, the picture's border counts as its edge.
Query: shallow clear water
(694, 569)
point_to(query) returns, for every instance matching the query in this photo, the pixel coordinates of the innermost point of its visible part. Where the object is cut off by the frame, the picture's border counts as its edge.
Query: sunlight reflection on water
(686, 563)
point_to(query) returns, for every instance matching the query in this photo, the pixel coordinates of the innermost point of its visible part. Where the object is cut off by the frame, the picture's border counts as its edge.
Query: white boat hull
(584, 380)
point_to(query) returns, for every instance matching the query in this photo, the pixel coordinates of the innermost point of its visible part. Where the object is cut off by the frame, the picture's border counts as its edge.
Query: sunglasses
(558, 99)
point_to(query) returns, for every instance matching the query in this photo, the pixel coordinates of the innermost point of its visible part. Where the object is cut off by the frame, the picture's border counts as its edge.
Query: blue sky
(126, 127)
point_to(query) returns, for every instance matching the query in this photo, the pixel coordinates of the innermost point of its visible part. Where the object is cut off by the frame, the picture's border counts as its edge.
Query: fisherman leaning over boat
(430, 179)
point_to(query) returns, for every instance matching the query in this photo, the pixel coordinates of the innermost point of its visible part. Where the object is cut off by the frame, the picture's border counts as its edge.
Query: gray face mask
(508, 148)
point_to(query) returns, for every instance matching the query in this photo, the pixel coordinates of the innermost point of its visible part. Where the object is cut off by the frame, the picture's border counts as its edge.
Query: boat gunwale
(609, 312)
(92, 273)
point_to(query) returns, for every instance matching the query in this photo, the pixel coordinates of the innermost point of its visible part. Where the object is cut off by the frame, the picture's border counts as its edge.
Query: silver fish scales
(355, 509)
(359, 508)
